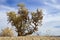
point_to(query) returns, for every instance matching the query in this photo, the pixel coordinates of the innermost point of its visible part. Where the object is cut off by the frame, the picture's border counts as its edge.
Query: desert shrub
(7, 32)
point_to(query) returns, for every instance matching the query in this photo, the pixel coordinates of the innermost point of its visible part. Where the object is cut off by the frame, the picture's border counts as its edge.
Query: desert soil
(30, 38)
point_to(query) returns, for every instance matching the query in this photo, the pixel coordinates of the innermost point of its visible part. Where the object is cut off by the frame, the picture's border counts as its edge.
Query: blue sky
(51, 11)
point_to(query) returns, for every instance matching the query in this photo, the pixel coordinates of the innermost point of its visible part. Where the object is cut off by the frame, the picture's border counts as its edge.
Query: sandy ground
(30, 38)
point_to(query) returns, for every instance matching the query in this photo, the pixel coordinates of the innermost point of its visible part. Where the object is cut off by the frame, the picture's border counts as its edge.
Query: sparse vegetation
(30, 38)
(7, 32)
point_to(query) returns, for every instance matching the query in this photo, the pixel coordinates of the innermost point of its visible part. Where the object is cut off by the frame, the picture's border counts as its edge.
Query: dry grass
(30, 38)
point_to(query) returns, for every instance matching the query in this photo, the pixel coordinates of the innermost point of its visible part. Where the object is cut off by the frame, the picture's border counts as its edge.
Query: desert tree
(7, 32)
(22, 21)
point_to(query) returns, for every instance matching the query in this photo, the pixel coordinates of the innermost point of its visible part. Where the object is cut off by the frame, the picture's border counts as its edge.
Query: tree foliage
(22, 22)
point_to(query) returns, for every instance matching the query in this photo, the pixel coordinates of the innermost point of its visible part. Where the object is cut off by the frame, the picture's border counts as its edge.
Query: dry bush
(7, 32)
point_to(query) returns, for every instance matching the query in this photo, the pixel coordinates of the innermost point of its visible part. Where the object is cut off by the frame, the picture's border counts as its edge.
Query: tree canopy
(22, 22)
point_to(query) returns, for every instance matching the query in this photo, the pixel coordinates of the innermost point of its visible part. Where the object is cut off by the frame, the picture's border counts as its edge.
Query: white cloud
(48, 28)
(3, 1)
(56, 6)
(3, 16)
(47, 17)
(3, 7)
(50, 17)
(54, 1)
